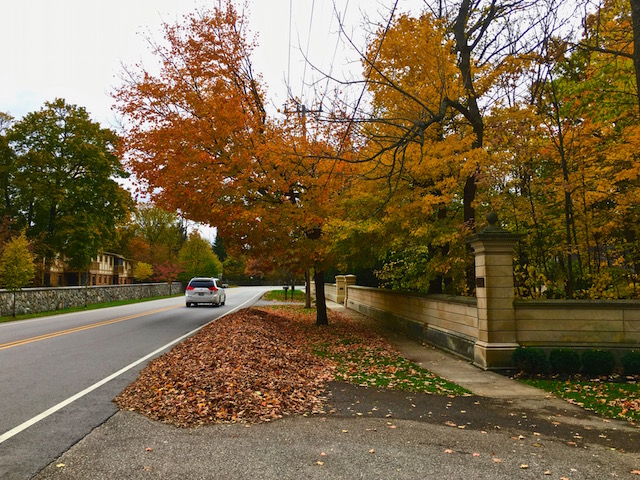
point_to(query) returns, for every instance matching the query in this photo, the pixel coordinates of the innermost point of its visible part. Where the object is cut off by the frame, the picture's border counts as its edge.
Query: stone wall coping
(426, 296)
(91, 287)
(560, 303)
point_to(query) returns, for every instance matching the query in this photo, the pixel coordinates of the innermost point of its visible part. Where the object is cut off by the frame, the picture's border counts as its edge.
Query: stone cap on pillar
(494, 232)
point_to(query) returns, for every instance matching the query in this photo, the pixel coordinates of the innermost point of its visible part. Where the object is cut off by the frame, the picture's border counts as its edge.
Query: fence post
(497, 335)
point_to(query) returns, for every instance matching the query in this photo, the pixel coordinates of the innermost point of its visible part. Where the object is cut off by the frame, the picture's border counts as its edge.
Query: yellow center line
(26, 341)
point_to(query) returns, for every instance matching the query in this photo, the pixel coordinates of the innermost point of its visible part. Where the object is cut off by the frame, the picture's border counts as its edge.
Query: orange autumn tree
(198, 138)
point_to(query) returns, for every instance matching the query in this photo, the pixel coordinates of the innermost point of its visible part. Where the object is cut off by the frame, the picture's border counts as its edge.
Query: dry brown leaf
(250, 366)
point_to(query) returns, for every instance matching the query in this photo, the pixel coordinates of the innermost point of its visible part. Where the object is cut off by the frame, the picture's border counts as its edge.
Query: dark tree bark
(635, 18)
(307, 289)
(321, 303)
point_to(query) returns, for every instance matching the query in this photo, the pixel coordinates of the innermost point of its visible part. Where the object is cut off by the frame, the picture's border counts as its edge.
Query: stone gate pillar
(340, 288)
(493, 250)
(348, 281)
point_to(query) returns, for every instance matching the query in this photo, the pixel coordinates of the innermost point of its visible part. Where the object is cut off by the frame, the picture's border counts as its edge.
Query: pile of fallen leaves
(249, 366)
(262, 363)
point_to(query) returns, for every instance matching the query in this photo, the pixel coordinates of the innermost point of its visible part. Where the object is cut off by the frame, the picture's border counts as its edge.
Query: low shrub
(564, 360)
(631, 362)
(530, 360)
(598, 362)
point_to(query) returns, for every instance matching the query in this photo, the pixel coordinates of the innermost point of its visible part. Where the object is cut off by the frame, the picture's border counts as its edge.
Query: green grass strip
(92, 306)
(375, 369)
(610, 399)
(278, 296)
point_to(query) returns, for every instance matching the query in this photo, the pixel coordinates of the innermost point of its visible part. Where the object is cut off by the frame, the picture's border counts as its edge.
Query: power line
(341, 20)
(366, 81)
(289, 54)
(304, 71)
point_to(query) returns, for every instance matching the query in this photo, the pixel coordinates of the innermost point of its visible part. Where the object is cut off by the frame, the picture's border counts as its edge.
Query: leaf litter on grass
(263, 363)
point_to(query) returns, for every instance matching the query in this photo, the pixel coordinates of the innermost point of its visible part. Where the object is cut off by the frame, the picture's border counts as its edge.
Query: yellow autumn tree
(570, 179)
(417, 154)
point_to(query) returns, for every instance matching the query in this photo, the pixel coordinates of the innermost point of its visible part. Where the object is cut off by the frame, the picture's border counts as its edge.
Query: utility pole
(302, 110)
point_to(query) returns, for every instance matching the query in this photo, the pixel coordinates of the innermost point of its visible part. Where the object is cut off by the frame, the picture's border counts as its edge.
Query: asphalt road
(366, 433)
(59, 374)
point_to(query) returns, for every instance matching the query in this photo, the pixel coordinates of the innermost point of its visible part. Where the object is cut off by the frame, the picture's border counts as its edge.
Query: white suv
(205, 290)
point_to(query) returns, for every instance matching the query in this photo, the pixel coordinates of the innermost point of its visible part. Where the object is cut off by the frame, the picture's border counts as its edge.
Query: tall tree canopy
(59, 180)
(198, 259)
(198, 137)
(499, 105)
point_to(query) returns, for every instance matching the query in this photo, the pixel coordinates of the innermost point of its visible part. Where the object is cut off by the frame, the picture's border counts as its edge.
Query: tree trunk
(568, 203)
(46, 274)
(635, 19)
(321, 303)
(469, 195)
(472, 113)
(307, 289)
(14, 304)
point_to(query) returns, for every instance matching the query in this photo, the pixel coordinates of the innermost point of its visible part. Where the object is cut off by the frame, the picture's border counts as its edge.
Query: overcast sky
(74, 49)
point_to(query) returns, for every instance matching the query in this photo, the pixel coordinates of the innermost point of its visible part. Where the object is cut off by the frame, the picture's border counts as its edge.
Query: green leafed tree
(158, 234)
(142, 271)
(7, 161)
(198, 259)
(63, 169)
(219, 248)
(16, 266)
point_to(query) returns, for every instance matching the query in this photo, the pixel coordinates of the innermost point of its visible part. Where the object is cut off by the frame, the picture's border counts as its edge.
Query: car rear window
(201, 283)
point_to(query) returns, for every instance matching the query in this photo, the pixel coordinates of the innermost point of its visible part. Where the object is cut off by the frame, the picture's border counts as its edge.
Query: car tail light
(189, 287)
(213, 288)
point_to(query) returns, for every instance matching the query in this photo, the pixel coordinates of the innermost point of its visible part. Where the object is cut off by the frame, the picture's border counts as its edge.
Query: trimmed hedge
(530, 360)
(631, 362)
(598, 362)
(564, 360)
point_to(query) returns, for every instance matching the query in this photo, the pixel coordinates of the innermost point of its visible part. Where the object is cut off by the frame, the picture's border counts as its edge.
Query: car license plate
(201, 294)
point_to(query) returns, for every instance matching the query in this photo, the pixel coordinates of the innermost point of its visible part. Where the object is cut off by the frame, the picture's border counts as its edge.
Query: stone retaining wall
(35, 300)
(446, 321)
(330, 292)
(605, 324)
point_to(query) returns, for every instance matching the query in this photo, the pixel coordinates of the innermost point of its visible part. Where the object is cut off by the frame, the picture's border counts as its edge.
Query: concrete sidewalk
(455, 369)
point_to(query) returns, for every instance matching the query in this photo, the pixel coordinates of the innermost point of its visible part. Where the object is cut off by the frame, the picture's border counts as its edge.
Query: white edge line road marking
(14, 431)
